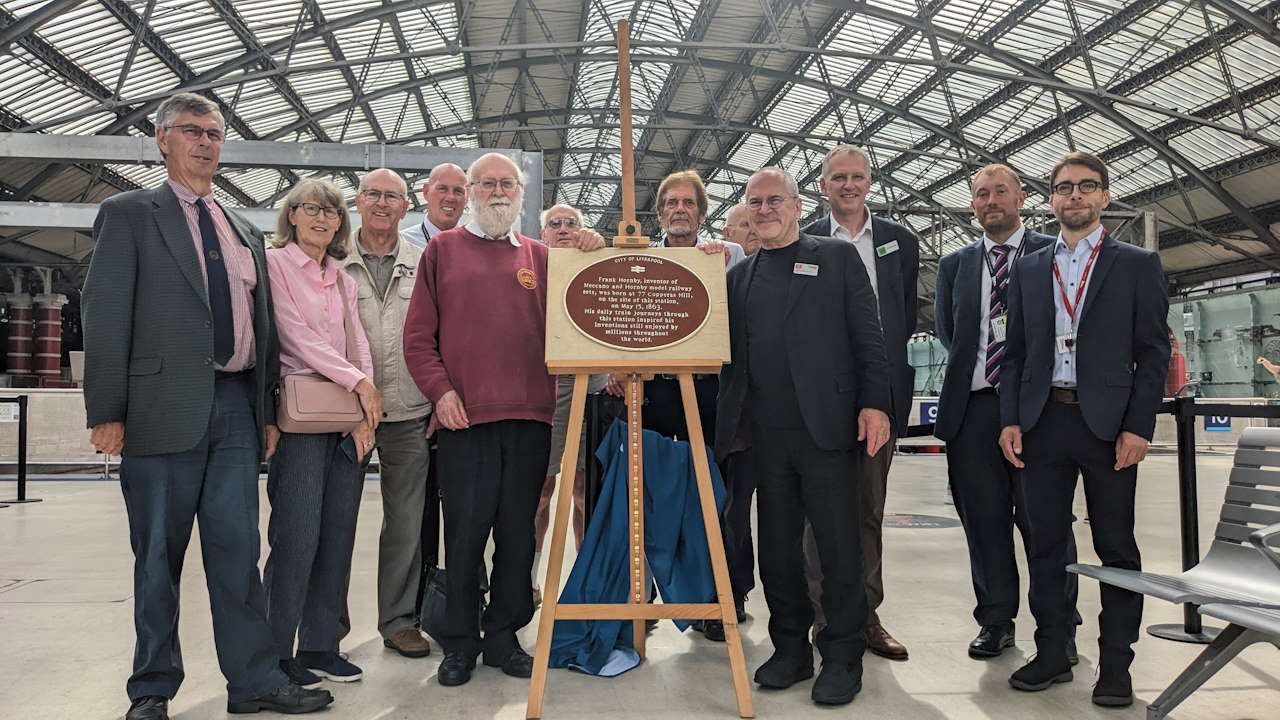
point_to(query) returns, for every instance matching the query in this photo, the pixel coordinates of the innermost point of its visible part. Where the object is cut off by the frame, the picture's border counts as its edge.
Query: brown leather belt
(1064, 395)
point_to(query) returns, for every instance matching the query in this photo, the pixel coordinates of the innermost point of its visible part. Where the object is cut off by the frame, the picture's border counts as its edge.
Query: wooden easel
(636, 371)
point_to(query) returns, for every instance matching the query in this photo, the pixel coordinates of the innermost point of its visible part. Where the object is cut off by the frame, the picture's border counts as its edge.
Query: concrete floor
(66, 624)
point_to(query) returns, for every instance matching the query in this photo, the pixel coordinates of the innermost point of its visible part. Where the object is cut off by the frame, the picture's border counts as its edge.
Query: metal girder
(29, 23)
(583, 19)
(335, 49)
(1221, 225)
(1225, 170)
(1246, 17)
(80, 216)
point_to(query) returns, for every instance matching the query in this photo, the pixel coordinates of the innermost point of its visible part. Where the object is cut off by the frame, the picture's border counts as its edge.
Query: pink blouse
(309, 318)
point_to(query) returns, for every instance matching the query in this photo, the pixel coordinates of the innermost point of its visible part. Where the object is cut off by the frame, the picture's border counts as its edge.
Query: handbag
(435, 602)
(311, 404)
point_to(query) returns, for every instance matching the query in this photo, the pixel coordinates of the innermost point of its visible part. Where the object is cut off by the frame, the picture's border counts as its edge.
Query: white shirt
(984, 300)
(421, 233)
(866, 248)
(510, 236)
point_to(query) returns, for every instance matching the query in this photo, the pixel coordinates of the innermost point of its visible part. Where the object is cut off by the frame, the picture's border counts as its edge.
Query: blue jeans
(217, 481)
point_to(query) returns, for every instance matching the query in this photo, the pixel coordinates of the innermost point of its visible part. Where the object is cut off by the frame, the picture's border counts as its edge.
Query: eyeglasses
(773, 201)
(193, 132)
(489, 184)
(569, 222)
(312, 210)
(1087, 187)
(378, 195)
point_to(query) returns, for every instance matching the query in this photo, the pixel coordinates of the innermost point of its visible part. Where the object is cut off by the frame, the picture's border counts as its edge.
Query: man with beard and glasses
(474, 342)
(1085, 360)
(445, 193)
(970, 316)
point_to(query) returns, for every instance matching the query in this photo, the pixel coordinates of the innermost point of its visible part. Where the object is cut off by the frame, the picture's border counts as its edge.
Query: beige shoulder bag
(312, 404)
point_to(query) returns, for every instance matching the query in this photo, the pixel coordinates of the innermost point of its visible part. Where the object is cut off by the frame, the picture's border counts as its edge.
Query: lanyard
(1001, 290)
(1069, 306)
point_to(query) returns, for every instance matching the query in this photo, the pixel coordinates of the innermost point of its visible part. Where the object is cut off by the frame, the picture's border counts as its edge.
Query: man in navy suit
(970, 320)
(890, 253)
(1082, 378)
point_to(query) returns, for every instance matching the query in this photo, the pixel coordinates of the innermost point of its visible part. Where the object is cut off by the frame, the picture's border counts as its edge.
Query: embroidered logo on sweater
(527, 278)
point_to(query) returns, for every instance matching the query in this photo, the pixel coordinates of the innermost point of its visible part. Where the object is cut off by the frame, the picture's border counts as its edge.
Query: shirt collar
(429, 228)
(837, 227)
(510, 237)
(299, 257)
(1012, 243)
(187, 195)
(364, 252)
(1090, 240)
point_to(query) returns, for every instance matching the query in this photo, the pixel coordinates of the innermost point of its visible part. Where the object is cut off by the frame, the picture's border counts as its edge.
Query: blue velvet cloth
(675, 546)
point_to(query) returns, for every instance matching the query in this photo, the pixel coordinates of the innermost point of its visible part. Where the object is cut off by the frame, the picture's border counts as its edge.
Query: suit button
(384, 414)
(208, 361)
(208, 324)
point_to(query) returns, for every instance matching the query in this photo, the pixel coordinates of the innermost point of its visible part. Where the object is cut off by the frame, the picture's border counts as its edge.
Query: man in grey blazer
(181, 360)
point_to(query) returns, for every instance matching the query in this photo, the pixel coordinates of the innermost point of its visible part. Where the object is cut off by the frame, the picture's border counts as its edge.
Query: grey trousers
(314, 488)
(873, 482)
(402, 457)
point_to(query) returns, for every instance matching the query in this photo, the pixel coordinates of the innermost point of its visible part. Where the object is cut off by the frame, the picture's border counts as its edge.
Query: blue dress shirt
(1071, 267)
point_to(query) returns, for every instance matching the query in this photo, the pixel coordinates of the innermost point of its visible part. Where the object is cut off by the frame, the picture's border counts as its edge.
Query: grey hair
(472, 167)
(175, 105)
(845, 150)
(792, 187)
(542, 216)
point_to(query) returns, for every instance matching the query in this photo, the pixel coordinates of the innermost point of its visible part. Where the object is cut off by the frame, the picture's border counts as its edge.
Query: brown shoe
(880, 642)
(409, 642)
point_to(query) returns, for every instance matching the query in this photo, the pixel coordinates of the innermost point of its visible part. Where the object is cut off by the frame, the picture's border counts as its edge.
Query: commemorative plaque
(637, 302)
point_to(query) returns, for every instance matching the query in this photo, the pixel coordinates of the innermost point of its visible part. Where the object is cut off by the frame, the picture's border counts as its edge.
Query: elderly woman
(314, 480)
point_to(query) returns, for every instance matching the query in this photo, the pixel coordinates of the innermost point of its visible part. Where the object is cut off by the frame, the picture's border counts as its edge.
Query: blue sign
(1217, 423)
(928, 411)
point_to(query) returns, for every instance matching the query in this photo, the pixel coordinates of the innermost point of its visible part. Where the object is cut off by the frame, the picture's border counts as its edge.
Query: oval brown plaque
(637, 302)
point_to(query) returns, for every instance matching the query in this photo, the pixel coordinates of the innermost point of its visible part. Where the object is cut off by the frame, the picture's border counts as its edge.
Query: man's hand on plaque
(589, 240)
(712, 247)
(614, 386)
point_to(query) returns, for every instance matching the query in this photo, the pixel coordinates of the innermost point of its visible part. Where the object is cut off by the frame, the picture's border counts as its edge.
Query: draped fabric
(675, 540)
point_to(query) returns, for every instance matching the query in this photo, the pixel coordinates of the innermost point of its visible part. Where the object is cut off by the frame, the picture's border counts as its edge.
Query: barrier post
(21, 401)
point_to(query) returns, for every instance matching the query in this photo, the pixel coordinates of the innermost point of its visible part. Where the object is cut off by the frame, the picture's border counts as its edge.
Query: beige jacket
(383, 322)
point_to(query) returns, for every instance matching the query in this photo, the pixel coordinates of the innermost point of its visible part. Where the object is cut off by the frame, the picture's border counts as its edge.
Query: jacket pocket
(845, 382)
(1123, 378)
(144, 365)
(406, 288)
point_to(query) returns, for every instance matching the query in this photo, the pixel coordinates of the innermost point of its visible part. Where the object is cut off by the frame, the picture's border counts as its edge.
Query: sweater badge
(526, 278)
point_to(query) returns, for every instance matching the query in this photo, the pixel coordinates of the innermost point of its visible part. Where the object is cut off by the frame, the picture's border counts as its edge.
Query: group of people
(439, 332)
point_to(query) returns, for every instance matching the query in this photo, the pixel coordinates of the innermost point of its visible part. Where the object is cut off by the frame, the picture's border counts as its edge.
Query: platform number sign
(928, 411)
(1217, 423)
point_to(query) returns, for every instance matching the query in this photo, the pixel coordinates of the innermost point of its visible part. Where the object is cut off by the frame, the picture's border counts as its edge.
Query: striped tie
(995, 348)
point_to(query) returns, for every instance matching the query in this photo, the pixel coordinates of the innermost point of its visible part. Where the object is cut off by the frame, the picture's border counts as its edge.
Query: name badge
(999, 328)
(885, 249)
(806, 269)
(1066, 343)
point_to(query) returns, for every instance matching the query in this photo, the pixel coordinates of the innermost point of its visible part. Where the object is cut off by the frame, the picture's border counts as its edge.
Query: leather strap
(352, 353)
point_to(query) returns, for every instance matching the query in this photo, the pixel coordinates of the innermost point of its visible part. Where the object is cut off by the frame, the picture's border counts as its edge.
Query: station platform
(66, 624)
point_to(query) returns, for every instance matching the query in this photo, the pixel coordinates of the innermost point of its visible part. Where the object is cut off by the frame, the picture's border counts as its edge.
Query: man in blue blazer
(890, 253)
(970, 320)
(1083, 375)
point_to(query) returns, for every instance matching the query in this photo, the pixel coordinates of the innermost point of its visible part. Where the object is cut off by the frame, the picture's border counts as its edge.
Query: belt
(985, 391)
(1064, 395)
(223, 375)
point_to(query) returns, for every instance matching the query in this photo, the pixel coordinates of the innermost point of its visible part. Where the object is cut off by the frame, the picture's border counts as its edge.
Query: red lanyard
(1069, 306)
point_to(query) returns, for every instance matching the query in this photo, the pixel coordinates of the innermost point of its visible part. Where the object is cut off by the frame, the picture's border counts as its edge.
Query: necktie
(224, 338)
(995, 348)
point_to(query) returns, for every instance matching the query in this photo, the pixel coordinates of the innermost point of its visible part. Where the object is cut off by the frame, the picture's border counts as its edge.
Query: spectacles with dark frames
(193, 132)
(569, 222)
(312, 210)
(1087, 187)
(379, 195)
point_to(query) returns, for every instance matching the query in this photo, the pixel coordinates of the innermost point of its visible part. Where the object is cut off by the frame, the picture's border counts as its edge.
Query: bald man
(446, 194)
(737, 230)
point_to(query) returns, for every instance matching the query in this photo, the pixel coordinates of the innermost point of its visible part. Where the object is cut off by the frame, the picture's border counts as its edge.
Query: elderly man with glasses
(474, 341)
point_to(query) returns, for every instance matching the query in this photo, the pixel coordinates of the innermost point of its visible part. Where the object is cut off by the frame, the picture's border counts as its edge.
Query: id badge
(1066, 343)
(999, 327)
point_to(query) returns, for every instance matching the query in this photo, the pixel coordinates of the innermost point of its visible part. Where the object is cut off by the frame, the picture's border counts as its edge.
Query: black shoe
(1039, 674)
(331, 666)
(152, 707)
(288, 699)
(455, 669)
(740, 605)
(299, 675)
(516, 664)
(781, 671)
(836, 684)
(991, 641)
(1113, 690)
(713, 629)
(1073, 656)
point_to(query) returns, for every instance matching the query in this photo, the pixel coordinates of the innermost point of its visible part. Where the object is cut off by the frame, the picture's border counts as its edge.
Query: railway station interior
(1179, 98)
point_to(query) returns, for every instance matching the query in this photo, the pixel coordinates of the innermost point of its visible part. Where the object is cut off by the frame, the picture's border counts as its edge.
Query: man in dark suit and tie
(970, 320)
(181, 359)
(808, 381)
(890, 253)
(1082, 378)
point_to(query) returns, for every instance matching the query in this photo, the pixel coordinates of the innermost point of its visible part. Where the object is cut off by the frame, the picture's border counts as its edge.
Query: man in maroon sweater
(474, 343)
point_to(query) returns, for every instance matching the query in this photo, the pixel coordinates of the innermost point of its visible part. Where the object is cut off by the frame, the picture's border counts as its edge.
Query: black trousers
(735, 524)
(795, 479)
(490, 478)
(984, 486)
(664, 408)
(1055, 450)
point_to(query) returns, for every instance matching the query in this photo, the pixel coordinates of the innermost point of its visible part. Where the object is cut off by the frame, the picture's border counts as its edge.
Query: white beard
(497, 220)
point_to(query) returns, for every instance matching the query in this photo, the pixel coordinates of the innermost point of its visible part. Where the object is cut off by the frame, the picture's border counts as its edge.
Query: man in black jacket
(970, 308)
(890, 254)
(1082, 378)
(809, 382)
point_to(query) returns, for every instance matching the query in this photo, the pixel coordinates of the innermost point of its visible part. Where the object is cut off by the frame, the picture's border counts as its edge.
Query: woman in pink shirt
(314, 480)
